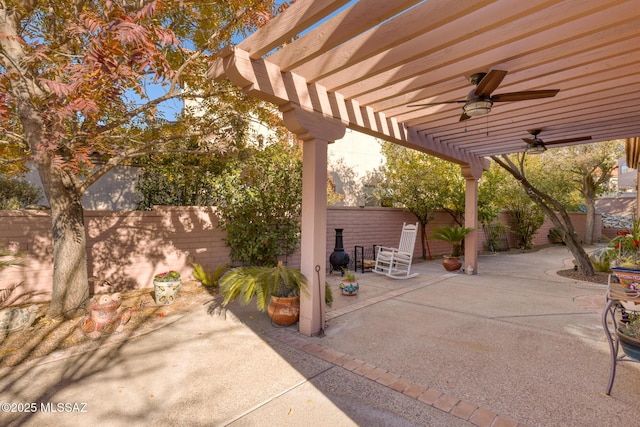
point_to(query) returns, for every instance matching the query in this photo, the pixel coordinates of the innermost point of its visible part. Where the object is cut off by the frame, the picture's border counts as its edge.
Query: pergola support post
(471, 176)
(316, 132)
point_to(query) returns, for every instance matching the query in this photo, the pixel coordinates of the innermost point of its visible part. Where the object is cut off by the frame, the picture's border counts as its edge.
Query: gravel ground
(600, 277)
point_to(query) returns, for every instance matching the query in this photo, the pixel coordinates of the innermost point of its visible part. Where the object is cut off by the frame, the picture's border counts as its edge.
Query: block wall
(127, 248)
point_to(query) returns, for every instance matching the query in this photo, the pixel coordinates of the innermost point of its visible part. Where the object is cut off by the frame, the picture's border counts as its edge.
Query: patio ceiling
(363, 62)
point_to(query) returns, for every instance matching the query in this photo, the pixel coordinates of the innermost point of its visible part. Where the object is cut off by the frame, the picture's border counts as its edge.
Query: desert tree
(590, 169)
(421, 183)
(552, 207)
(93, 79)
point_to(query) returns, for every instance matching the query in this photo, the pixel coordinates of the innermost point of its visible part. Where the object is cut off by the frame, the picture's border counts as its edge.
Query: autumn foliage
(88, 84)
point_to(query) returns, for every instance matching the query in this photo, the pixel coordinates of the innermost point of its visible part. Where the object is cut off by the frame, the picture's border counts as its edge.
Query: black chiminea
(339, 259)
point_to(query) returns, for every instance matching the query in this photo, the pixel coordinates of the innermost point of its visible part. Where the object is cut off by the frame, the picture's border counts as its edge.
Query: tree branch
(131, 114)
(129, 154)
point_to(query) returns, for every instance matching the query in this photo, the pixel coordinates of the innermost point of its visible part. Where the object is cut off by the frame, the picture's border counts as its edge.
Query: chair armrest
(386, 249)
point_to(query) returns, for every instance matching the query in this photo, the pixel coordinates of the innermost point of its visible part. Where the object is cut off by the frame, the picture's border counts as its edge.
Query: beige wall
(125, 248)
(128, 248)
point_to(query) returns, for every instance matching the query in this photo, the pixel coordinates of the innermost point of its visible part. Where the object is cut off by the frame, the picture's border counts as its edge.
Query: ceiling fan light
(536, 149)
(477, 107)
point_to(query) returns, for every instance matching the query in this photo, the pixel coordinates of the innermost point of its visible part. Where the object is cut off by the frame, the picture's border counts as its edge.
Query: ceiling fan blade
(464, 117)
(525, 95)
(529, 141)
(437, 103)
(490, 82)
(564, 141)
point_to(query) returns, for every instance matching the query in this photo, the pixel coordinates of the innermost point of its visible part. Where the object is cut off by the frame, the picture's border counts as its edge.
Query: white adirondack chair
(396, 262)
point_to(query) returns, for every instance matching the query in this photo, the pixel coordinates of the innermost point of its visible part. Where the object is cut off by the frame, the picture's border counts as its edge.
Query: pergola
(332, 64)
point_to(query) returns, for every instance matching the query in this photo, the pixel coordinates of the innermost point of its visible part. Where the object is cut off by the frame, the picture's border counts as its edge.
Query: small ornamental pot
(165, 293)
(349, 288)
(166, 287)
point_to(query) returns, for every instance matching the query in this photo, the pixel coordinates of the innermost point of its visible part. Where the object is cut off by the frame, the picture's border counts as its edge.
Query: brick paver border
(479, 416)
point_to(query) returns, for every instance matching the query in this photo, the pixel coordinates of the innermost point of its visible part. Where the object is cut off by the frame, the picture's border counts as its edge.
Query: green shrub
(495, 234)
(259, 205)
(210, 279)
(555, 235)
(17, 193)
(601, 259)
(527, 221)
(328, 295)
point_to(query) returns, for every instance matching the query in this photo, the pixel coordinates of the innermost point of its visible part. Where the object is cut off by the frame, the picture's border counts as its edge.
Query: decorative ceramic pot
(166, 292)
(349, 288)
(630, 346)
(628, 278)
(451, 263)
(284, 311)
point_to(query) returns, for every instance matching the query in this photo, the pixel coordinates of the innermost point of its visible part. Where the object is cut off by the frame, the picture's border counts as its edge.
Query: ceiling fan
(537, 146)
(480, 100)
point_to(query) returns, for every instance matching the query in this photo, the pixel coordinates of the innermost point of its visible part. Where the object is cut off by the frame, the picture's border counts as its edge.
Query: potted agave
(453, 234)
(275, 289)
(166, 287)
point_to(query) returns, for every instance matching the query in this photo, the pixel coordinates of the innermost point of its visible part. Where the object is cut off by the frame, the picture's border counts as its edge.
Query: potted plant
(275, 289)
(628, 333)
(166, 287)
(349, 284)
(453, 234)
(625, 248)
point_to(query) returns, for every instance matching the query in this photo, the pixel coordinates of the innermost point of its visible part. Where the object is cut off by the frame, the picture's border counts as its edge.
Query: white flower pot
(166, 292)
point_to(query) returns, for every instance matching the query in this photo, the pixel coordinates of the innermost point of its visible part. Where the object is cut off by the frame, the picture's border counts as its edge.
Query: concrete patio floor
(513, 345)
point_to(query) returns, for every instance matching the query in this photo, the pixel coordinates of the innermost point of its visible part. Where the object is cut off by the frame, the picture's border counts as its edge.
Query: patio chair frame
(396, 262)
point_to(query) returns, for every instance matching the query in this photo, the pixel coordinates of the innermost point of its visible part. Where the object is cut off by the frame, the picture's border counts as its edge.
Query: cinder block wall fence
(128, 248)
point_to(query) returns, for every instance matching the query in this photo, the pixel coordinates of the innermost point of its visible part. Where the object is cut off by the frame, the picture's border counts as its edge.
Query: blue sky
(171, 109)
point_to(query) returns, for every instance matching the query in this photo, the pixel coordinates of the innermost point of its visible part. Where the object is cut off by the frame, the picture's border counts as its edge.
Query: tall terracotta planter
(284, 311)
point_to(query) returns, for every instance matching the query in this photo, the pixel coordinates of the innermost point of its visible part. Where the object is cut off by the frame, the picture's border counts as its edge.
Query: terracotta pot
(284, 311)
(451, 263)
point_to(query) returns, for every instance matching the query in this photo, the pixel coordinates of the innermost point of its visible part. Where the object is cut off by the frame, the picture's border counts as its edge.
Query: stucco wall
(125, 248)
(116, 190)
(128, 248)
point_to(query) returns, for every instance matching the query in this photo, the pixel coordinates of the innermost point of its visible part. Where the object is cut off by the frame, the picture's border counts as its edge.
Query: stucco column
(316, 132)
(471, 176)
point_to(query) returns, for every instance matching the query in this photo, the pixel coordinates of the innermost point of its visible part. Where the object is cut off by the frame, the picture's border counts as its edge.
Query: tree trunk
(590, 202)
(569, 236)
(582, 259)
(555, 212)
(70, 282)
(423, 233)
